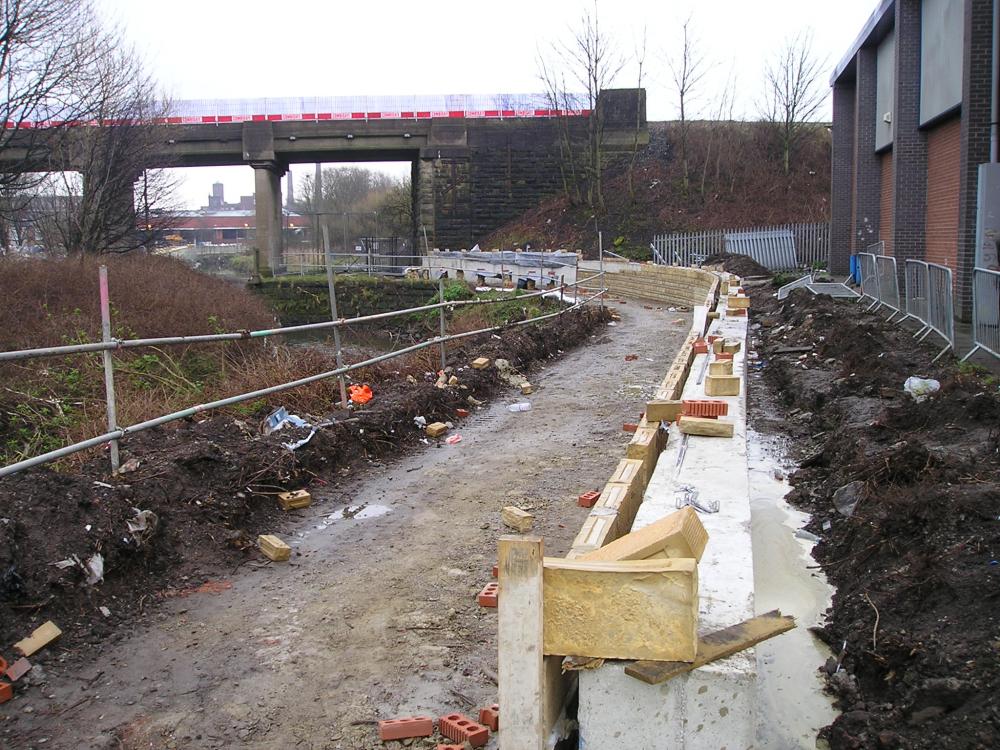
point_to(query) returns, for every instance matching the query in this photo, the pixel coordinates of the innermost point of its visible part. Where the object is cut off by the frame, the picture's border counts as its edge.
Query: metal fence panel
(916, 286)
(811, 243)
(985, 312)
(888, 283)
(869, 277)
(940, 303)
(774, 249)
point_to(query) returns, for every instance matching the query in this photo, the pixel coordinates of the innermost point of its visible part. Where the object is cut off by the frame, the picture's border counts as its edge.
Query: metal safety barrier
(915, 283)
(929, 301)
(869, 279)
(985, 312)
(108, 344)
(888, 284)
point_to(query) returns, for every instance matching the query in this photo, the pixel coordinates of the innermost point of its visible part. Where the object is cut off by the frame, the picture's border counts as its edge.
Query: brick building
(222, 223)
(912, 108)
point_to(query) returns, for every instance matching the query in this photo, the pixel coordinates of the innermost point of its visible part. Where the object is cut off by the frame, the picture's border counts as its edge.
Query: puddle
(353, 512)
(792, 705)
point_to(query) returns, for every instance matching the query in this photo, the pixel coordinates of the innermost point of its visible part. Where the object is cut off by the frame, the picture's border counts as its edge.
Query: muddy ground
(374, 617)
(905, 499)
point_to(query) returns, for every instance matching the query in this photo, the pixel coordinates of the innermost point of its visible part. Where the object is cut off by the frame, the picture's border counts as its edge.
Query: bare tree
(722, 121)
(112, 200)
(640, 59)
(794, 93)
(44, 59)
(75, 129)
(589, 60)
(687, 70)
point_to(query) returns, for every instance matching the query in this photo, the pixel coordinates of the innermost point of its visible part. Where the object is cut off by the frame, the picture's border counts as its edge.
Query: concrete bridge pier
(267, 197)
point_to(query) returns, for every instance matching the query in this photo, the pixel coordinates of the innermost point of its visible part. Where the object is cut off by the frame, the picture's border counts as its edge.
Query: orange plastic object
(360, 394)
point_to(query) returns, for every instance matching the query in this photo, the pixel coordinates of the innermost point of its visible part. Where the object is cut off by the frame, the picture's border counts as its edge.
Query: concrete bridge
(476, 164)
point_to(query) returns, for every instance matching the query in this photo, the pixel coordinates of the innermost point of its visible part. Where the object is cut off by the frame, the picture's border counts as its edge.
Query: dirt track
(376, 615)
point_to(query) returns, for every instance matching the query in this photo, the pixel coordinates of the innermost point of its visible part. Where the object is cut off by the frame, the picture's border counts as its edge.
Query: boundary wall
(609, 714)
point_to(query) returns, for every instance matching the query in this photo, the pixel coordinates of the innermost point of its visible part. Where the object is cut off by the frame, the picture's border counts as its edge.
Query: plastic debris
(278, 419)
(360, 394)
(420, 422)
(520, 406)
(846, 498)
(94, 569)
(921, 388)
(453, 439)
(142, 525)
(806, 535)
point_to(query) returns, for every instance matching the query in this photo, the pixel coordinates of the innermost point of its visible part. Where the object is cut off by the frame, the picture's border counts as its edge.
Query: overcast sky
(249, 48)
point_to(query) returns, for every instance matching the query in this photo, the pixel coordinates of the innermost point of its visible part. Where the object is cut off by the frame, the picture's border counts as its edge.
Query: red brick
(701, 346)
(461, 413)
(463, 729)
(588, 499)
(705, 408)
(490, 717)
(488, 596)
(6, 692)
(721, 356)
(496, 571)
(450, 747)
(710, 338)
(405, 728)
(17, 670)
(629, 427)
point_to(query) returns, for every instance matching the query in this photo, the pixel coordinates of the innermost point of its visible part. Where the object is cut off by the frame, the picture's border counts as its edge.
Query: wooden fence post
(521, 673)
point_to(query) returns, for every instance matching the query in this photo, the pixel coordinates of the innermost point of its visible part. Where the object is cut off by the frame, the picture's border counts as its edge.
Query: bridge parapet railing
(985, 312)
(108, 344)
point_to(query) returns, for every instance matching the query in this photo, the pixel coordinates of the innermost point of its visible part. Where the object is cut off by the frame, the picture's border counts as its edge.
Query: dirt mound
(741, 265)
(905, 498)
(209, 485)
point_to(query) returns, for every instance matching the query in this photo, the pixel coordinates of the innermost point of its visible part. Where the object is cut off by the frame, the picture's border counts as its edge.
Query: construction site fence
(985, 312)
(811, 244)
(109, 344)
(927, 298)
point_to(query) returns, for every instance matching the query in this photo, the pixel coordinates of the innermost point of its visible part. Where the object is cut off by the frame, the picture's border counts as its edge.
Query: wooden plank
(722, 385)
(41, 637)
(520, 629)
(715, 646)
(706, 427)
(517, 519)
(621, 609)
(680, 534)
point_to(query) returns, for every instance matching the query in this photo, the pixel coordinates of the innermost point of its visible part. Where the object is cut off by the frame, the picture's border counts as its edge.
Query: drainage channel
(792, 704)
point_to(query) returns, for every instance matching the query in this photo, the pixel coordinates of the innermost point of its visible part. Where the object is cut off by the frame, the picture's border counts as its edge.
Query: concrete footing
(712, 707)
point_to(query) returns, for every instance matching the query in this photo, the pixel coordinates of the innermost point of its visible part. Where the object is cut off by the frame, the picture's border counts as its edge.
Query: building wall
(944, 146)
(885, 222)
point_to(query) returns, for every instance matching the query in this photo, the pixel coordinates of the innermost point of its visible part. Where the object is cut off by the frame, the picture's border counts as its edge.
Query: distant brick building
(912, 105)
(221, 223)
